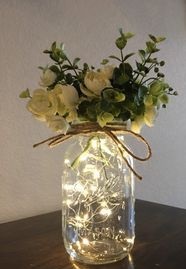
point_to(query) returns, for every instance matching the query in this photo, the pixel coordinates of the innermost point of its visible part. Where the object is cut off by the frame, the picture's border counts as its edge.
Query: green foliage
(112, 95)
(125, 92)
(25, 94)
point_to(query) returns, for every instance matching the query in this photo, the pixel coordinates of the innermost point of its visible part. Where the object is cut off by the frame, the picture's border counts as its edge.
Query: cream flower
(68, 95)
(57, 124)
(137, 124)
(149, 116)
(42, 104)
(48, 78)
(95, 82)
(72, 116)
(107, 70)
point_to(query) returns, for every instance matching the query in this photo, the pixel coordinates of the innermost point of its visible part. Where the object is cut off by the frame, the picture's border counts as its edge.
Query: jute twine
(111, 130)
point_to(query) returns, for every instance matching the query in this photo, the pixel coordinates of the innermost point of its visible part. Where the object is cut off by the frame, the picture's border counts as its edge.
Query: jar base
(85, 260)
(99, 252)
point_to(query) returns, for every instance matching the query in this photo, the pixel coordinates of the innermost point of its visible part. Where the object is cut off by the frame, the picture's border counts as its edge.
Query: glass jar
(97, 200)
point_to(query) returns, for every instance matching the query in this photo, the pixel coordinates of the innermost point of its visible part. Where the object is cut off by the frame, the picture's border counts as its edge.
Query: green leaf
(25, 94)
(104, 61)
(69, 78)
(54, 69)
(156, 88)
(128, 55)
(126, 68)
(47, 51)
(121, 42)
(139, 66)
(152, 60)
(142, 91)
(76, 60)
(151, 47)
(128, 35)
(104, 117)
(91, 112)
(114, 57)
(153, 38)
(122, 79)
(85, 66)
(164, 98)
(114, 96)
(53, 47)
(142, 54)
(160, 39)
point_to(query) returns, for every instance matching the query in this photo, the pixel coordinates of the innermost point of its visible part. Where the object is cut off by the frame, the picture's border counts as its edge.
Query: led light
(85, 217)
(96, 174)
(93, 188)
(83, 157)
(69, 202)
(66, 161)
(103, 203)
(85, 241)
(79, 187)
(94, 143)
(68, 187)
(78, 245)
(105, 211)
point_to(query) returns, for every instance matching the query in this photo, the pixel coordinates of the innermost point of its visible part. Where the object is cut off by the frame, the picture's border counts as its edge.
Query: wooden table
(36, 242)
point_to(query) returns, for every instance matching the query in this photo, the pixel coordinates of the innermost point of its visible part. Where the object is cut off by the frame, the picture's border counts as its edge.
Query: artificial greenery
(120, 92)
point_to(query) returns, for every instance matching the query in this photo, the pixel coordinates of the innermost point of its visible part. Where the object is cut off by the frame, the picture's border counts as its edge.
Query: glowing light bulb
(68, 187)
(85, 241)
(83, 157)
(93, 188)
(68, 202)
(78, 245)
(94, 143)
(103, 203)
(105, 211)
(67, 161)
(79, 187)
(96, 174)
(85, 217)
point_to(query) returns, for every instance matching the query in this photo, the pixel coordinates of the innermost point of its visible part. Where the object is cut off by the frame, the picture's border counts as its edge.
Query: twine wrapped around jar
(110, 130)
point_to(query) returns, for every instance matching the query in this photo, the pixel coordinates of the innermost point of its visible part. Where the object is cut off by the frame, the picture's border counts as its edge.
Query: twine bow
(110, 130)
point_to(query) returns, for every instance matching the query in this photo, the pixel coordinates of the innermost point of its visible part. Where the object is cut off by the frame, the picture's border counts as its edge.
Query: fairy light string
(111, 130)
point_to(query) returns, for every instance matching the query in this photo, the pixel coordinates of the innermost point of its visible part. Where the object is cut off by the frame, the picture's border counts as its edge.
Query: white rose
(107, 70)
(72, 116)
(149, 116)
(57, 124)
(42, 104)
(95, 82)
(68, 95)
(48, 78)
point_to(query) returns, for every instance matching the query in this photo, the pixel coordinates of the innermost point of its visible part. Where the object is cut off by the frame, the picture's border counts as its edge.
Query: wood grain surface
(37, 243)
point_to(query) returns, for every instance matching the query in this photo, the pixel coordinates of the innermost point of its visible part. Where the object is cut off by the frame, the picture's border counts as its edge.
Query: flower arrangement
(120, 92)
(92, 99)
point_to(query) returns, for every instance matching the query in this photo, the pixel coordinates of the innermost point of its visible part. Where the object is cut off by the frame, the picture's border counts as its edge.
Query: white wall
(30, 178)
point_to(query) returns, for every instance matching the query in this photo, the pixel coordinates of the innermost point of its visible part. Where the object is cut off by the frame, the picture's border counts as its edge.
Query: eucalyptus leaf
(121, 42)
(104, 117)
(25, 94)
(128, 56)
(112, 95)
(128, 35)
(104, 61)
(142, 54)
(114, 57)
(160, 39)
(76, 60)
(164, 98)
